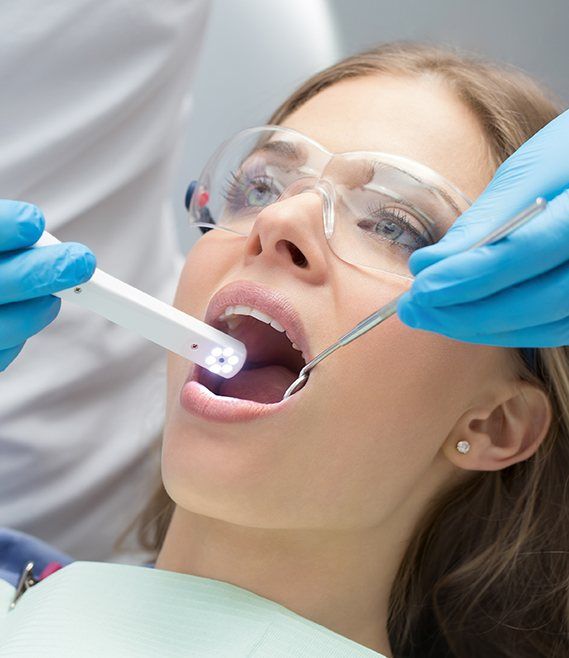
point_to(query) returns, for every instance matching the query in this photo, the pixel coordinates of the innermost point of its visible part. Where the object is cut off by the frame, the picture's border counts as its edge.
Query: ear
(503, 432)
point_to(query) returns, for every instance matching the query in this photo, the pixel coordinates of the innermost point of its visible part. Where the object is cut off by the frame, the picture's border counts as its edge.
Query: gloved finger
(44, 270)
(536, 247)
(21, 224)
(20, 320)
(534, 303)
(552, 334)
(540, 167)
(7, 356)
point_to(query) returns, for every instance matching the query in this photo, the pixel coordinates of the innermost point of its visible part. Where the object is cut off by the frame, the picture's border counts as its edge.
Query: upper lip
(265, 299)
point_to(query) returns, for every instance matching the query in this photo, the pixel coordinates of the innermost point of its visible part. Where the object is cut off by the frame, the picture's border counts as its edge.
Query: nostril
(298, 257)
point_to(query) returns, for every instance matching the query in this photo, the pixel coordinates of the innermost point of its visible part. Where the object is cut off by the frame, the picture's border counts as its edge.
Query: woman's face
(363, 439)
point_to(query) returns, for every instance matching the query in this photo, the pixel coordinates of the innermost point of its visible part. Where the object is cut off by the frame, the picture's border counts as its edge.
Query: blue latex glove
(28, 276)
(513, 293)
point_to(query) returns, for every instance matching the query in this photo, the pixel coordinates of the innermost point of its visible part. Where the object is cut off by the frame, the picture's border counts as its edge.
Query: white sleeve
(94, 98)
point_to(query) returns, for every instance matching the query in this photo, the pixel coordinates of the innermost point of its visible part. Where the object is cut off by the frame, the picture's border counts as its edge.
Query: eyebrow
(288, 150)
(446, 196)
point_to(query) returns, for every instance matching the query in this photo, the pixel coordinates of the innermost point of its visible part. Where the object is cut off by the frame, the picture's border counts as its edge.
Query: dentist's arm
(514, 293)
(29, 276)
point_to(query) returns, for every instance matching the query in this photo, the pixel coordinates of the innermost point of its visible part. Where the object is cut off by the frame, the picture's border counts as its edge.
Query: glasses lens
(387, 207)
(250, 173)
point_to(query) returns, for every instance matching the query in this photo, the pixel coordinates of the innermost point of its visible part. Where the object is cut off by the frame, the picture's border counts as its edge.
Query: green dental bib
(96, 609)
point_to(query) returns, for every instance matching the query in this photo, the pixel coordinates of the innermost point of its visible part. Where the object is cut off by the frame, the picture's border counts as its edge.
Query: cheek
(384, 406)
(203, 272)
(392, 368)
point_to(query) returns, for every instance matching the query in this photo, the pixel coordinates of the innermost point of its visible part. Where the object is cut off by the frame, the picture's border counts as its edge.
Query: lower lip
(199, 401)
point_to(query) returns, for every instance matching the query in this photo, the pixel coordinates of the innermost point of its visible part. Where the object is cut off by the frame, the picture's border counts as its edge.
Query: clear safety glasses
(377, 208)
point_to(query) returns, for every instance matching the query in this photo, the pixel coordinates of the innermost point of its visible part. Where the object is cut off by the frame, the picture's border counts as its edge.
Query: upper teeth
(231, 313)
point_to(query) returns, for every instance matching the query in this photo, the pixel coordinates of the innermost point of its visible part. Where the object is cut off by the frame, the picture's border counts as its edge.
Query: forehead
(418, 118)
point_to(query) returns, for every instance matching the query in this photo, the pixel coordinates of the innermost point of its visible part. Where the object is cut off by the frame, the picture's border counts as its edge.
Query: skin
(313, 508)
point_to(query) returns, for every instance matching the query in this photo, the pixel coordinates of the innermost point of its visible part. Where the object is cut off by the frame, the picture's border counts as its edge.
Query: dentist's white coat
(94, 98)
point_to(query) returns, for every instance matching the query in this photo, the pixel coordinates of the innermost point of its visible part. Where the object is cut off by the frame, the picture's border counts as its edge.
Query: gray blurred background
(258, 51)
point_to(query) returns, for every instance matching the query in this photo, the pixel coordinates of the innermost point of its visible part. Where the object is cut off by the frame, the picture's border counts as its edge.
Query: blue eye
(243, 191)
(392, 225)
(259, 192)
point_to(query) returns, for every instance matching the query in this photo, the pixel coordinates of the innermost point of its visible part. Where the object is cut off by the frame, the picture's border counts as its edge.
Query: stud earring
(463, 447)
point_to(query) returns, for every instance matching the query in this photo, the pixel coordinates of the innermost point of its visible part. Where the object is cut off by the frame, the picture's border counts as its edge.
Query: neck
(340, 580)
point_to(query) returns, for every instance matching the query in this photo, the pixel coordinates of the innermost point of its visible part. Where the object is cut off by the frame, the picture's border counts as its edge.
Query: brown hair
(486, 574)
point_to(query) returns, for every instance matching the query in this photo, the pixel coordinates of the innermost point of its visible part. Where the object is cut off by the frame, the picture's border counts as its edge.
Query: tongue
(266, 384)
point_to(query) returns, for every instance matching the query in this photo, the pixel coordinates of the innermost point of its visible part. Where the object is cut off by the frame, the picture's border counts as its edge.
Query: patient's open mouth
(277, 349)
(273, 363)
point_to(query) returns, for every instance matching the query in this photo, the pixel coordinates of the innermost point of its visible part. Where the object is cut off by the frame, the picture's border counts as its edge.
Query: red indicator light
(203, 198)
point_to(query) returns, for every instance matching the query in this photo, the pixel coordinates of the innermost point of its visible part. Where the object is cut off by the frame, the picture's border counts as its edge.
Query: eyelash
(381, 211)
(233, 189)
(233, 186)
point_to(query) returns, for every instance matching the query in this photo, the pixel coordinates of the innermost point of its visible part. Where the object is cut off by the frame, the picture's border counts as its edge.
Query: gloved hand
(28, 276)
(513, 293)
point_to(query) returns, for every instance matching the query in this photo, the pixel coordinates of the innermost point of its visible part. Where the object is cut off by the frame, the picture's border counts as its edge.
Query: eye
(259, 192)
(392, 224)
(244, 191)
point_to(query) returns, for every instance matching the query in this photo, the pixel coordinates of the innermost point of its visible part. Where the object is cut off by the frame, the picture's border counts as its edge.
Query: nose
(289, 234)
